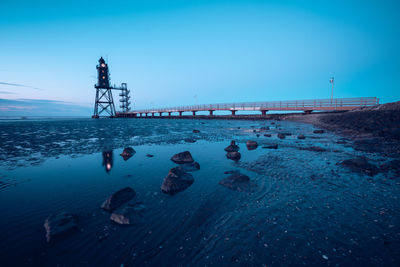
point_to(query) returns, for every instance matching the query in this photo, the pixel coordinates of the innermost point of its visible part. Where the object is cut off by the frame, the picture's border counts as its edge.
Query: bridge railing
(312, 104)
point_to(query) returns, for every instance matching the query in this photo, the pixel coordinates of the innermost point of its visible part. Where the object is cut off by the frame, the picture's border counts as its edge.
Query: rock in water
(118, 199)
(301, 136)
(128, 214)
(149, 155)
(318, 131)
(127, 153)
(360, 165)
(177, 180)
(196, 131)
(183, 157)
(189, 140)
(275, 146)
(251, 145)
(236, 181)
(314, 148)
(60, 225)
(190, 167)
(267, 135)
(234, 155)
(281, 136)
(232, 147)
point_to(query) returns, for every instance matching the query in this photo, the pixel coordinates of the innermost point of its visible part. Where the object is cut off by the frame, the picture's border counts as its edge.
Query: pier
(307, 106)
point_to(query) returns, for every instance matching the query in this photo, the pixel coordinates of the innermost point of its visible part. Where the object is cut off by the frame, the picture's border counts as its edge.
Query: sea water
(303, 209)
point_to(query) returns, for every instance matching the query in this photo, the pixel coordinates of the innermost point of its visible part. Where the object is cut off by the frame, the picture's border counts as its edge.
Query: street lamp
(332, 81)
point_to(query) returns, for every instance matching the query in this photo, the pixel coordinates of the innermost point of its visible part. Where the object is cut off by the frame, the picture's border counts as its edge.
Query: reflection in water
(108, 160)
(127, 153)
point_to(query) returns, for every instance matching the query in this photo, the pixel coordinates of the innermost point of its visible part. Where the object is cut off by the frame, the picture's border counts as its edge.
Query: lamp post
(332, 81)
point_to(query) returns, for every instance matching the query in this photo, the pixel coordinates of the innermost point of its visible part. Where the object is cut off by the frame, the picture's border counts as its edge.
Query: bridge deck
(339, 104)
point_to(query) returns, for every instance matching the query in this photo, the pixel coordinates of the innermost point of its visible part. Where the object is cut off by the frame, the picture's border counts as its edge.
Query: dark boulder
(318, 131)
(236, 181)
(149, 155)
(176, 181)
(196, 131)
(127, 153)
(275, 146)
(251, 145)
(264, 128)
(190, 167)
(281, 136)
(189, 140)
(183, 157)
(267, 135)
(60, 225)
(232, 147)
(118, 199)
(287, 134)
(314, 148)
(234, 155)
(301, 136)
(360, 165)
(128, 214)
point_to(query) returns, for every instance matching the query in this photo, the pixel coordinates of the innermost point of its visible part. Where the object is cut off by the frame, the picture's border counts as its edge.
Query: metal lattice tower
(104, 102)
(124, 98)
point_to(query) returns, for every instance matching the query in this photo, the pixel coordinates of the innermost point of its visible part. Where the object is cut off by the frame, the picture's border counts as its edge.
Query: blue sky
(193, 52)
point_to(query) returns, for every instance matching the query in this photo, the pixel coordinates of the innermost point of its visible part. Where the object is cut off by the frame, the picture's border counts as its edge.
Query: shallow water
(302, 210)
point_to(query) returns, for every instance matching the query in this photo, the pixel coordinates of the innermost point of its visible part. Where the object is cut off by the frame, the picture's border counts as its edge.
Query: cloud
(19, 85)
(7, 93)
(41, 107)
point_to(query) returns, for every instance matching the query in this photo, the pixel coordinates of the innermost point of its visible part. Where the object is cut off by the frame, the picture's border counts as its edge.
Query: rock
(275, 146)
(314, 148)
(267, 135)
(188, 140)
(281, 136)
(251, 145)
(128, 214)
(360, 165)
(176, 181)
(118, 199)
(230, 172)
(232, 147)
(287, 134)
(236, 181)
(234, 155)
(264, 128)
(60, 225)
(149, 155)
(196, 131)
(301, 136)
(318, 131)
(183, 157)
(127, 153)
(272, 123)
(189, 167)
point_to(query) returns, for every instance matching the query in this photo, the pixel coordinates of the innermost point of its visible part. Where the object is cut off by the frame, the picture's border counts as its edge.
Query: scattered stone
(272, 123)
(230, 172)
(183, 157)
(313, 148)
(236, 181)
(275, 146)
(127, 153)
(264, 128)
(267, 135)
(60, 225)
(251, 145)
(318, 131)
(287, 134)
(258, 135)
(189, 140)
(118, 199)
(176, 181)
(360, 165)
(281, 136)
(232, 147)
(234, 155)
(196, 131)
(190, 167)
(128, 213)
(301, 136)
(149, 155)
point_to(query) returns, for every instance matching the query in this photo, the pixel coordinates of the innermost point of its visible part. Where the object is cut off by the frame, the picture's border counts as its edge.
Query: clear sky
(197, 52)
